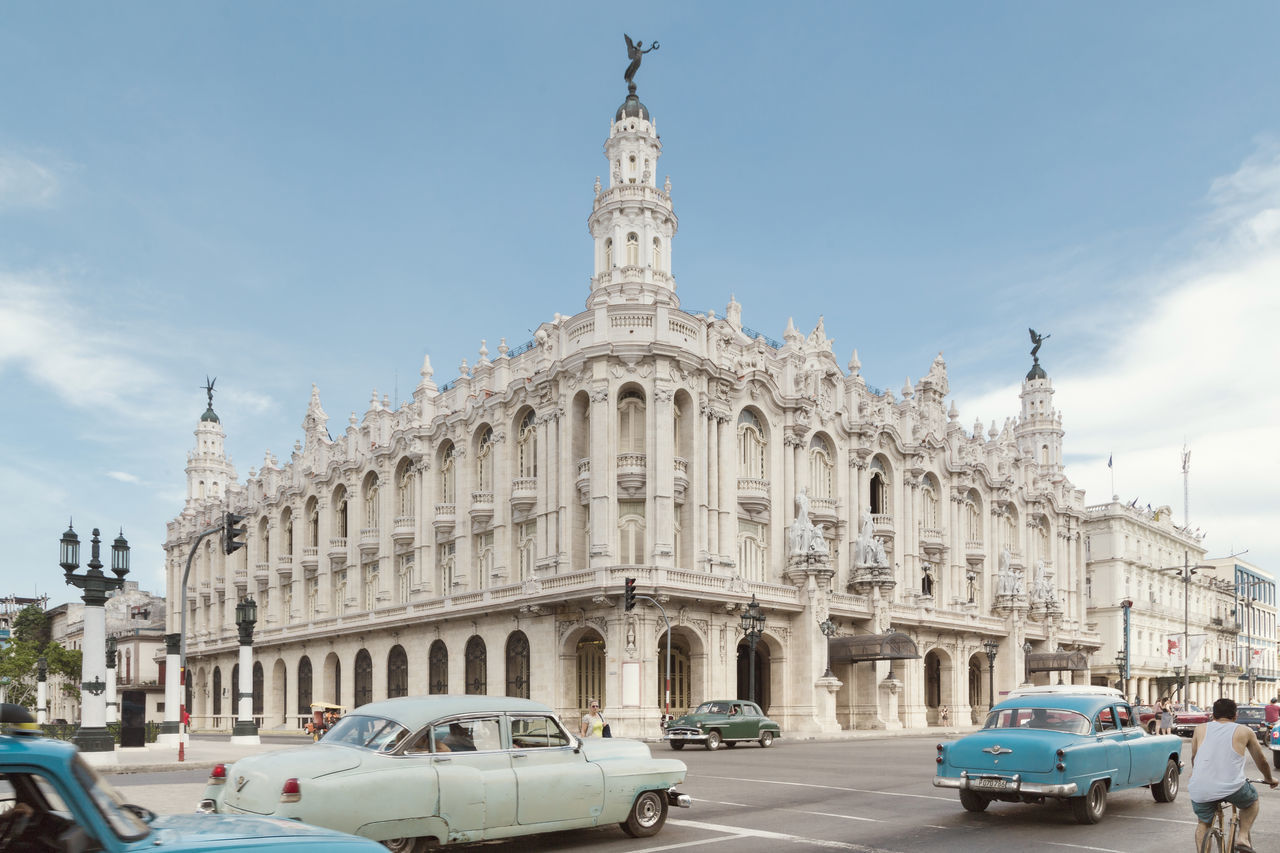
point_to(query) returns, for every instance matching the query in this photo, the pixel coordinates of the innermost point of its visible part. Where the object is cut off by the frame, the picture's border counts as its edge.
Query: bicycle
(1214, 836)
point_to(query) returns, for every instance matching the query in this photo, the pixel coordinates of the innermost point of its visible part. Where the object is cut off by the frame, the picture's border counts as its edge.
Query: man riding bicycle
(1218, 750)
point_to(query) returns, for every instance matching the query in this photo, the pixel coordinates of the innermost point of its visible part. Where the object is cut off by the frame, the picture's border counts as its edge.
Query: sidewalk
(202, 753)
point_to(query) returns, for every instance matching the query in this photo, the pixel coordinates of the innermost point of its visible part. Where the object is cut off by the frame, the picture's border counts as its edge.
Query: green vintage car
(722, 721)
(415, 772)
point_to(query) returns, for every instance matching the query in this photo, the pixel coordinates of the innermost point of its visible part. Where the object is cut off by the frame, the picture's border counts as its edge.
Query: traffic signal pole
(629, 601)
(227, 526)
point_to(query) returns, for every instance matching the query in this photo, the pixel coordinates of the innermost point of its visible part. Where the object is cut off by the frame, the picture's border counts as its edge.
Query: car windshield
(124, 823)
(1056, 719)
(713, 708)
(366, 732)
(1251, 715)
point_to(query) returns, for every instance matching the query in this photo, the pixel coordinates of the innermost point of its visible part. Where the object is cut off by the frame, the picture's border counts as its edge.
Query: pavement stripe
(830, 788)
(1081, 847)
(735, 837)
(1160, 819)
(829, 814)
(777, 836)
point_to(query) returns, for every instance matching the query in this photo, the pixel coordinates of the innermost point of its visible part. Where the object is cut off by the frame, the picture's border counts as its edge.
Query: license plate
(987, 782)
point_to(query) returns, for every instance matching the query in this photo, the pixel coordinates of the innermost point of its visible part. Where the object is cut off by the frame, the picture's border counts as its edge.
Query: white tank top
(1218, 770)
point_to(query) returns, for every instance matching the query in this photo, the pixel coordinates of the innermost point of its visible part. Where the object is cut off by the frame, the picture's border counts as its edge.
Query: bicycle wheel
(1212, 841)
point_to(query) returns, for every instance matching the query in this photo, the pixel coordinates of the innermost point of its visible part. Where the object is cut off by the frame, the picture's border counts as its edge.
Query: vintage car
(722, 721)
(1273, 740)
(413, 772)
(1074, 746)
(1187, 717)
(1148, 717)
(1255, 717)
(50, 799)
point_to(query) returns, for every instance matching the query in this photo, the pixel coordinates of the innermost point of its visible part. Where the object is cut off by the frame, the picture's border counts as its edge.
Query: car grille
(684, 731)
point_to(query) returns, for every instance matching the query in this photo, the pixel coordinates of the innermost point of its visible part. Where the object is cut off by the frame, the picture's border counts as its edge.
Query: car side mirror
(577, 743)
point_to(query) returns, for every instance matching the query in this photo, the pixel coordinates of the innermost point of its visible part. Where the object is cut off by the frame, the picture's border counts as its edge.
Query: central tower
(632, 222)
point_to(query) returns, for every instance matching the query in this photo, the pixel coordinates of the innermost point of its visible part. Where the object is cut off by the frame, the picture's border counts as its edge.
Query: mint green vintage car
(413, 772)
(723, 721)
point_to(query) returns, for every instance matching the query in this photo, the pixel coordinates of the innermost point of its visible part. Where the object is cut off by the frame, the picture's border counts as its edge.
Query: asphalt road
(863, 795)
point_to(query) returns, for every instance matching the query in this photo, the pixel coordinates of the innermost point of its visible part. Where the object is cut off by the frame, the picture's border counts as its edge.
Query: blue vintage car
(415, 772)
(1077, 745)
(50, 799)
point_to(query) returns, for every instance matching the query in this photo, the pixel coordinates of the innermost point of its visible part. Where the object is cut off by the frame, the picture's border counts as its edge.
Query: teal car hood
(236, 832)
(1007, 751)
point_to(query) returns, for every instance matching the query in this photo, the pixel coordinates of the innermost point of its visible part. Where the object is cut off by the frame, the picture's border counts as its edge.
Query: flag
(1111, 459)
(1175, 647)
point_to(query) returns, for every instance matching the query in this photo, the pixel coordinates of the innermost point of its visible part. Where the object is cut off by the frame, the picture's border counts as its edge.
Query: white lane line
(1081, 847)
(1160, 819)
(723, 803)
(829, 787)
(829, 814)
(777, 836)
(736, 837)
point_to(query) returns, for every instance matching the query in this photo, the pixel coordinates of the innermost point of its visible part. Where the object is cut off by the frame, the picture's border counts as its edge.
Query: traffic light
(233, 536)
(630, 600)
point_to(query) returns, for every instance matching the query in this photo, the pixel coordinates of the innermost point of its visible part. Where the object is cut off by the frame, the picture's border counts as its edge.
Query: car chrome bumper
(685, 735)
(675, 798)
(1014, 785)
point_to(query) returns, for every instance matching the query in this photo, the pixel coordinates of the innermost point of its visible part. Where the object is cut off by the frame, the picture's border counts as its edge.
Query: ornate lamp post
(991, 647)
(42, 690)
(752, 628)
(1120, 669)
(113, 706)
(245, 731)
(828, 630)
(92, 736)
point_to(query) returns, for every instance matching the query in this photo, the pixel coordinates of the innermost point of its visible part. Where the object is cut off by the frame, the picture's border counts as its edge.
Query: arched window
(590, 660)
(446, 557)
(337, 682)
(217, 691)
(484, 555)
(397, 672)
(631, 529)
(1042, 541)
(1009, 530)
(371, 502)
(527, 447)
(448, 476)
(518, 665)
(973, 518)
(313, 523)
(752, 446)
(929, 504)
(879, 489)
(264, 534)
(680, 692)
(753, 551)
(484, 462)
(235, 691)
(364, 678)
(438, 668)
(633, 250)
(657, 255)
(257, 688)
(608, 254)
(631, 422)
(404, 491)
(339, 592)
(526, 548)
(286, 524)
(477, 666)
(821, 469)
(304, 685)
(340, 512)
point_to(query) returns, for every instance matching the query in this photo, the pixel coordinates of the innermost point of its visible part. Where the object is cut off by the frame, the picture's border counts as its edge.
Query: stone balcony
(524, 493)
(310, 558)
(403, 529)
(284, 566)
(446, 518)
(241, 579)
(882, 524)
(681, 478)
(632, 469)
(975, 552)
(369, 540)
(338, 548)
(824, 510)
(753, 495)
(262, 572)
(481, 508)
(219, 584)
(584, 480)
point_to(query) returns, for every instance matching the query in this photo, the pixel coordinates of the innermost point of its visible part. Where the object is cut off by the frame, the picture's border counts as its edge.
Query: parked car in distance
(723, 721)
(1255, 717)
(414, 772)
(51, 799)
(1148, 717)
(1273, 740)
(1187, 717)
(1080, 747)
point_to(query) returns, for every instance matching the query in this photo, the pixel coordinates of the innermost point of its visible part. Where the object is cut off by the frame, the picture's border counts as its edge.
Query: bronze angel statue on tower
(635, 52)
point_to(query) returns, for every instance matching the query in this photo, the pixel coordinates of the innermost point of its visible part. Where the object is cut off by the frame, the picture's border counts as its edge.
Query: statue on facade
(1039, 585)
(805, 536)
(1006, 582)
(635, 52)
(927, 579)
(1036, 340)
(208, 387)
(864, 547)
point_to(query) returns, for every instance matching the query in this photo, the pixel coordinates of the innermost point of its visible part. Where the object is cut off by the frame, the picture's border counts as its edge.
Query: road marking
(735, 837)
(1081, 847)
(829, 814)
(830, 788)
(1160, 819)
(723, 803)
(744, 832)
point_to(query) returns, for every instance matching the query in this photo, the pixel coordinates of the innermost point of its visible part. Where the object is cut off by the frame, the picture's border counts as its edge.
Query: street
(861, 795)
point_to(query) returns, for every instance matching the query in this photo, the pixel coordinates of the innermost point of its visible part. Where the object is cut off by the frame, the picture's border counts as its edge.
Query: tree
(18, 660)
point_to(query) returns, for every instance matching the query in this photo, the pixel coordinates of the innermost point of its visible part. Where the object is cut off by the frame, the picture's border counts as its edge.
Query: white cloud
(123, 477)
(1196, 368)
(26, 183)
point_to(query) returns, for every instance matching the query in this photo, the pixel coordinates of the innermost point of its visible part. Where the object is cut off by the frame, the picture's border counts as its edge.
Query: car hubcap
(649, 810)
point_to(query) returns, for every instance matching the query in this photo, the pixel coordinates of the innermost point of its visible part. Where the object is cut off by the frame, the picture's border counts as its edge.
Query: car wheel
(766, 739)
(405, 845)
(731, 743)
(1166, 790)
(1093, 805)
(677, 745)
(973, 802)
(648, 814)
(713, 739)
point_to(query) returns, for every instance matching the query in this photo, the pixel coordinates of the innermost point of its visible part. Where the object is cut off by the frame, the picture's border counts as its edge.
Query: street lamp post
(42, 690)
(828, 630)
(245, 731)
(991, 647)
(1120, 669)
(113, 705)
(752, 628)
(92, 736)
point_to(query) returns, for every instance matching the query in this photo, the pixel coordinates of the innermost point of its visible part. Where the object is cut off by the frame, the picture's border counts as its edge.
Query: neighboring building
(476, 539)
(1254, 593)
(10, 607)
(1140, 556)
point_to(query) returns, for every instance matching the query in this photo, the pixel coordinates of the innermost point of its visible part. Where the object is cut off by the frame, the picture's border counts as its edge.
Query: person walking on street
(1218, 752)
(1166, 715)
(593, 721)
(1273, 711)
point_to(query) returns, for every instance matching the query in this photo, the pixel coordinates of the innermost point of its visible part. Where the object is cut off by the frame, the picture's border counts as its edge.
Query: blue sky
(278, 194)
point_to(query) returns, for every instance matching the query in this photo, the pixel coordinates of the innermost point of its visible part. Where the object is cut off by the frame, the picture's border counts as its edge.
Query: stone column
(171, 728)
(42, 691)
(245, 731)
(113, 704)
(92, 736)
(603, 479)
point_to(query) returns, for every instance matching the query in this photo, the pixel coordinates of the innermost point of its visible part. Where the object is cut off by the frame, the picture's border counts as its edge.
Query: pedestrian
(944, 715)
(1273, 711)
(593, 720)
(1166, 716)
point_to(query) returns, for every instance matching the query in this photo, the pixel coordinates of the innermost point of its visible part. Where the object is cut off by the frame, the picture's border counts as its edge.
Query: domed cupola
(1039, 430)
(209, 471)
(632, 222)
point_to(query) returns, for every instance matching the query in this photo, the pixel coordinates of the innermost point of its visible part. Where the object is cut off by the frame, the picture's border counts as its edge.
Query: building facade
(476, 539)
(1253, 593)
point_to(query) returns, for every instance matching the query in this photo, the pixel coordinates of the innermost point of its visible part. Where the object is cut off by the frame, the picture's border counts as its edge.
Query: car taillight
(1061, 758)
(940, 751)
(218, 775)
(290, 792)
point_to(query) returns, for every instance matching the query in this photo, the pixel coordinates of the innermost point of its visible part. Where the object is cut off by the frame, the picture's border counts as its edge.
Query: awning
(1057, 661)
(865, 647)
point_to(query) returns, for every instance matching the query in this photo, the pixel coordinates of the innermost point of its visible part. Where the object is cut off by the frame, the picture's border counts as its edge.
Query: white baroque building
(476, 539)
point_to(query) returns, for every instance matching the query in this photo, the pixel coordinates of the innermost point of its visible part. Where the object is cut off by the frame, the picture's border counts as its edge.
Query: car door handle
(519, 755)
(441, 758)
